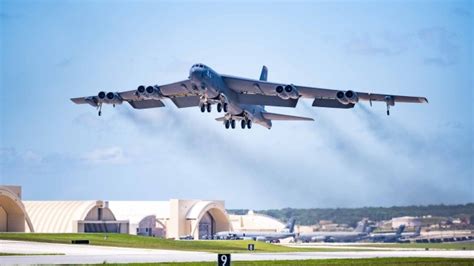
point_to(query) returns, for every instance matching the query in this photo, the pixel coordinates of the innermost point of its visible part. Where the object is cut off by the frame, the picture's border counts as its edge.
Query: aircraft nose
(195, 73)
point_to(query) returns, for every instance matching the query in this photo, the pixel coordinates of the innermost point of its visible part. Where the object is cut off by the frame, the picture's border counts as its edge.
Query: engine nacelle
(113, 98)
(292, 91)
(341, 97)
(351, 96)
(261, 238)
(150, 92)
(101, 95)
(280, 90)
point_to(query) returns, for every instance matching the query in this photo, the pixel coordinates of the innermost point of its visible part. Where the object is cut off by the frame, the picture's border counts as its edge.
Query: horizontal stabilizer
(145, 104)
(272, 116)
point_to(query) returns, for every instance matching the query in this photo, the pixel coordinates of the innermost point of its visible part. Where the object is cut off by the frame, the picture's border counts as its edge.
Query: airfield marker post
(223, 260)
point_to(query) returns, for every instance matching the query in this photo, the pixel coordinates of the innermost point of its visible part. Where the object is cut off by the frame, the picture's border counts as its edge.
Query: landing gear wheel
(203, 108)
(232, 124)
(208, 107)
(224, 106)
(100, 113)
(243, 124)
(227, 124)
(249, 124)
(219, 107)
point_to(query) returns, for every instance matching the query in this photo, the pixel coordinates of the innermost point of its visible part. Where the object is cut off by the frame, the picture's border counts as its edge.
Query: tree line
(351, 216)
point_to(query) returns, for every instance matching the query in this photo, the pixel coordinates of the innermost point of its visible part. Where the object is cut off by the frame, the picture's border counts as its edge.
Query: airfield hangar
(175, 218)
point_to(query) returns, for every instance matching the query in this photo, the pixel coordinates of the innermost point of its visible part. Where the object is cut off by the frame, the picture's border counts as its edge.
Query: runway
(87, 254)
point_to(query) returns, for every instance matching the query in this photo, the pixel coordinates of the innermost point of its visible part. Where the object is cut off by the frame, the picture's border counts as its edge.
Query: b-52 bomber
(240, 99)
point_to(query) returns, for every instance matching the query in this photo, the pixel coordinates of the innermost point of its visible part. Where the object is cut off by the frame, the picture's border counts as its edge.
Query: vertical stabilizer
(400, 230)
(264, 74)
(290, 226)
(361, 226)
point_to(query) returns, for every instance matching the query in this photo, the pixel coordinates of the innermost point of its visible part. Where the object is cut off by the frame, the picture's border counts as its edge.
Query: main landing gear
(246, 123)
(230, 123)
(205, 107)
(222, 107)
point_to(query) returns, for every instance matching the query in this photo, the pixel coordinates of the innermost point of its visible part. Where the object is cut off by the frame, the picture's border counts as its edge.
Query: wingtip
(424, 100)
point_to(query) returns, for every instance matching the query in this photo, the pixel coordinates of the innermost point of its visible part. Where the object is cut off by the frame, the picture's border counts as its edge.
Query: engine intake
(341, 97)
(149, 92)
(287, 92)
(352, 96)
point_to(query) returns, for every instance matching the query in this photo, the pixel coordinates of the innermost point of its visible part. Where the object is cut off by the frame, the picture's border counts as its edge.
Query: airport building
(13, 215)
(408, 221)
(175, 218)
(255, 222)
(73, 217)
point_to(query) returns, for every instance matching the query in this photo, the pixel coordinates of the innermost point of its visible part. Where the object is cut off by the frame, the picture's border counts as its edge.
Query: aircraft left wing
(322, 97)
(181, 93)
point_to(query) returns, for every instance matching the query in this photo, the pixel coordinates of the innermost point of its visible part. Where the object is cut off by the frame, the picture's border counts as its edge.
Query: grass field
(456, 246)
(123, 240)
(374, 262)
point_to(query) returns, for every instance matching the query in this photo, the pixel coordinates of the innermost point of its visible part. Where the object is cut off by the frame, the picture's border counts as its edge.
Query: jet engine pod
(150, 89)
(101, 95)
(291, 91)
(149, 92)
(352, 96)
(280, 90)
(113, 98)
(341, 97)
(141, 89)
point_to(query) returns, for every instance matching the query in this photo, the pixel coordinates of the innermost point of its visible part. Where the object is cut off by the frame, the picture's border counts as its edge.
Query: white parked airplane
(240, 98)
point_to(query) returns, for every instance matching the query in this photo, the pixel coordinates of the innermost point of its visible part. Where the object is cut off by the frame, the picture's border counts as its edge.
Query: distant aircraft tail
(264, 74)
(361, 226)
(400, 229)
(272, 116)
(418, 231)
(290, 226)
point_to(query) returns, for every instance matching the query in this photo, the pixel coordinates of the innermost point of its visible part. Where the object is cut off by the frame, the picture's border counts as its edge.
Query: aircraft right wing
(322, 97)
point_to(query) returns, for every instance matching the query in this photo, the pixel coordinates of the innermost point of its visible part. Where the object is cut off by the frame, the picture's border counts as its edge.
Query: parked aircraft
(359, 233)
(240, 99)
(288, 231)
(387, 237)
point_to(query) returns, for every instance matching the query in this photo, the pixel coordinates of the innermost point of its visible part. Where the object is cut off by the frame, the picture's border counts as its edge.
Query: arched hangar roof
(58, 216)
(12, 204)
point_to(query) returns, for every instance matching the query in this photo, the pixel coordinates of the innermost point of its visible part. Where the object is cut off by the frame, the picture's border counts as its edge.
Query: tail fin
(264, 74)
(400, 229)
(361, 226)
(272, 116)
(417, 230)
(290, 225)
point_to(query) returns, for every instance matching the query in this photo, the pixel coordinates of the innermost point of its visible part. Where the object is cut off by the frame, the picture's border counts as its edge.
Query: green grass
(375, 262)
(123, 240)
(456, 246)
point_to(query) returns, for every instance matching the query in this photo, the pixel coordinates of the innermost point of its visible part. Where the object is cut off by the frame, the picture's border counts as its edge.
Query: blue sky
(421, 154)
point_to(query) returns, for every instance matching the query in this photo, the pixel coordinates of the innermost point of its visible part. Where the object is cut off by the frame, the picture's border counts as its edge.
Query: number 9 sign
(223, 259)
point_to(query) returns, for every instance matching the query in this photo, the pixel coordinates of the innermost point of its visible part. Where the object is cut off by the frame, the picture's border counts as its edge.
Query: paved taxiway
(82, 254)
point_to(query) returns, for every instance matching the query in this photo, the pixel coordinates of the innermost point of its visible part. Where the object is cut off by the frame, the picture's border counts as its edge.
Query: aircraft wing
(323, 97)
(180, 93)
